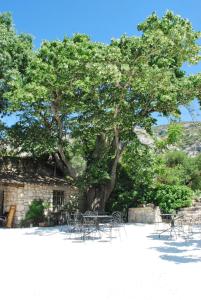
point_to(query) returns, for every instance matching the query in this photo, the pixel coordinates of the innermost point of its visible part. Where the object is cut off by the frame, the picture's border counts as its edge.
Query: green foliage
(172, 197)
(78, 86)
(173, 135)
(175, 131)
(190, 137)
(148, 177)
(194, 171)
(96, 94)
(124, 193)
(169, 168)
(175, 158)
(15, 52)
(138, 161)
(135, 178)
(35, 213)
(176, 167)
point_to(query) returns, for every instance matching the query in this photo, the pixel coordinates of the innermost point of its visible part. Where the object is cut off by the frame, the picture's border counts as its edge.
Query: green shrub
(175, 158)
(172, 197)
(35, 213)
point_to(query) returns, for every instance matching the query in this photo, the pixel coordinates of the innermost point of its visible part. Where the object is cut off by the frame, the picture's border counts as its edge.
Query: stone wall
(146, 215)
(22, 195)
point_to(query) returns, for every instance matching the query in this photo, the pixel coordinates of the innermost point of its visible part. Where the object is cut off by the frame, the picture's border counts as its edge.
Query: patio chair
(74, 222)
(89, 224)
(175, 225)
(117, 221)
(117, 218)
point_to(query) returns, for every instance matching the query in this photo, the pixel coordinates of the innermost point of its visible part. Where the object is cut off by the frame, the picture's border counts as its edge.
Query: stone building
(25, 179)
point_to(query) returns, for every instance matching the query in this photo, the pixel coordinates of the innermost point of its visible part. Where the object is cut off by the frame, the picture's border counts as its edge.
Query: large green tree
(98, 94)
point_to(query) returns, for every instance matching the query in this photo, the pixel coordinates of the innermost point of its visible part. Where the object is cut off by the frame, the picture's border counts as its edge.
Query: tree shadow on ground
(68, 234)
(178, 251)
(47, 231)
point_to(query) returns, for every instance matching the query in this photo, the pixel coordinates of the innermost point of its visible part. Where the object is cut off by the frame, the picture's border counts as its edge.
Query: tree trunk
(64, 165)
(98, 195)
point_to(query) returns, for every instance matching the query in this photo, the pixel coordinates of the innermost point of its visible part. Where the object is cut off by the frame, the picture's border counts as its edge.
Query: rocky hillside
(191, 139)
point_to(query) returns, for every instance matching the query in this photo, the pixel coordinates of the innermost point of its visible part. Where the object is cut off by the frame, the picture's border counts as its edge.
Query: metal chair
(117, 222)
(175, 225)
(75, 224)
(89, 225)
(117, 218)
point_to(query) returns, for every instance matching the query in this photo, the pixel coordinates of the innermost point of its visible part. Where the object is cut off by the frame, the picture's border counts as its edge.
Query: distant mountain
(191, 139)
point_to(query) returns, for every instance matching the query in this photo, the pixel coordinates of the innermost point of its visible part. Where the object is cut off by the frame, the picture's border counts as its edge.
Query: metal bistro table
(173, 226)
(92, 223)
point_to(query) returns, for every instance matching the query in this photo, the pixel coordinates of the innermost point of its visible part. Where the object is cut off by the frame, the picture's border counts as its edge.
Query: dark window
(58, 200)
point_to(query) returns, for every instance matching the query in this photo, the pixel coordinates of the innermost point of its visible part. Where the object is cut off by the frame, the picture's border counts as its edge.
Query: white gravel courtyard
(43, 263)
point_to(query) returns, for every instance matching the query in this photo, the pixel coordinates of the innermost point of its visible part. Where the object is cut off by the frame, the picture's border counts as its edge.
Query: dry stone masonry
(148, 215)
(23, 195)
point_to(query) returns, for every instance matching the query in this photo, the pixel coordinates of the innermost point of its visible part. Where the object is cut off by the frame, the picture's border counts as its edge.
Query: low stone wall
(146, 215)
(23, 195)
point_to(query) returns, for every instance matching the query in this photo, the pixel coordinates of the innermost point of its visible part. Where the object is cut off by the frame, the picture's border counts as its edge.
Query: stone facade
(23, 179)
(148, 215)
(22, 195)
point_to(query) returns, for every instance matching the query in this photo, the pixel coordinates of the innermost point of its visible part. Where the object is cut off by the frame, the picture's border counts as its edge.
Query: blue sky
(101, 19)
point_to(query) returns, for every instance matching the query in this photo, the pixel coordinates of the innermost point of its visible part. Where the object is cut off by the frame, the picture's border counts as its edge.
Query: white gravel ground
(43, 263)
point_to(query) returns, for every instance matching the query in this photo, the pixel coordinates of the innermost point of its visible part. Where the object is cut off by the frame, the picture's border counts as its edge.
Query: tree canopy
(79, 97)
